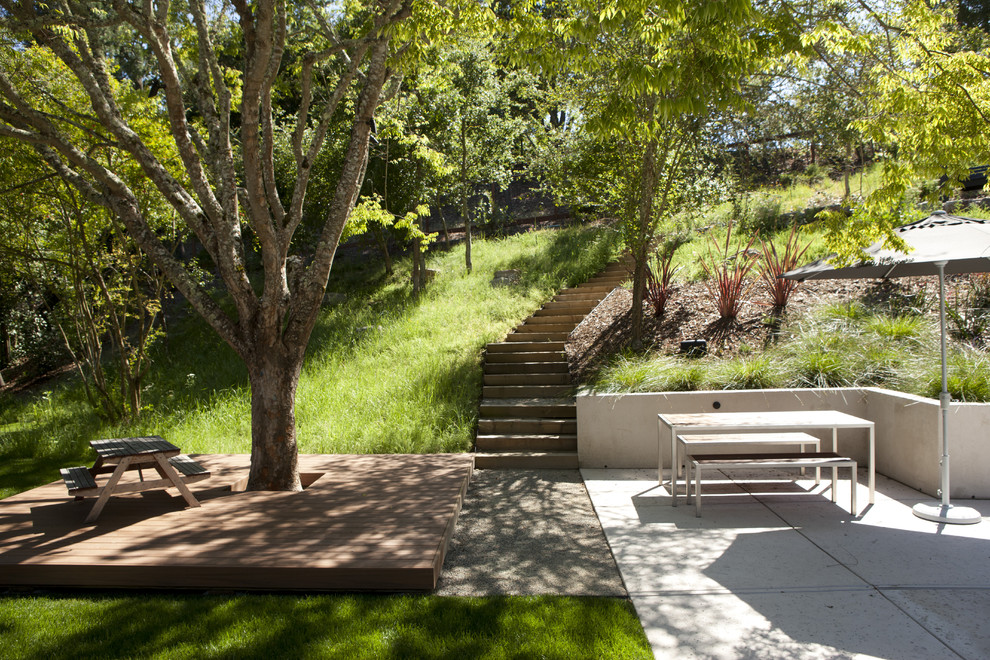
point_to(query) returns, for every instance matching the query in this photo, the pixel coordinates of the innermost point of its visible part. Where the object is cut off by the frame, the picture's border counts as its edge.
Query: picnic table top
(118, 447)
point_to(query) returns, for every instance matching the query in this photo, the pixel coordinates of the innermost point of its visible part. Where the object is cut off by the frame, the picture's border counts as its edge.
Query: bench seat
(79, 481)
(188, 468)
(700, 462)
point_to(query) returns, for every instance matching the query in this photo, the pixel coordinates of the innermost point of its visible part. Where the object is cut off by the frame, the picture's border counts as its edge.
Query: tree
(928, 103)
(474, 118)
(344, 59)
(652, 73)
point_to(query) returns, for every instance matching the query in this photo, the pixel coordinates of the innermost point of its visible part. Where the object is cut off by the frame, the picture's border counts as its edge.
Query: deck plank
(371, 522)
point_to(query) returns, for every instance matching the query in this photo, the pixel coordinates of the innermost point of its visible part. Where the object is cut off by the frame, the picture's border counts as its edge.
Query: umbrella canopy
(962, 243)
(940, 244)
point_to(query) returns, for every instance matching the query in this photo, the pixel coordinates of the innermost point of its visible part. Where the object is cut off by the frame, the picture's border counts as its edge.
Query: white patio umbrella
(940, 244)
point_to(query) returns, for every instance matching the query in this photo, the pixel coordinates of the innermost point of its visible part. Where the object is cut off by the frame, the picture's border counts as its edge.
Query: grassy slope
(410, 384)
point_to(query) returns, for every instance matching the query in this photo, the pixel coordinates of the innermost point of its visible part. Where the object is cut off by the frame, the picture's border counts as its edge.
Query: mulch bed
(691, 314)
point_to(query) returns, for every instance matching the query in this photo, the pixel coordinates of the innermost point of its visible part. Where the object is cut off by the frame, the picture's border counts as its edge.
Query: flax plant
(775, 264)
(725, 275)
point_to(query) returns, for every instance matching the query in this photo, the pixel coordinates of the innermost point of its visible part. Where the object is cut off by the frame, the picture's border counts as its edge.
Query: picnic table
(120, 455)
(758, 425)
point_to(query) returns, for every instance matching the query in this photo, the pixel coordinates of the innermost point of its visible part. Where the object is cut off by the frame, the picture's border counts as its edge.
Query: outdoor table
(122, 454)
(757, 422)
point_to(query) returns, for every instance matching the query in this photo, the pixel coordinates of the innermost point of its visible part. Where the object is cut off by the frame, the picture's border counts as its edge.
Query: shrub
(743, 373)
(659, 274)
(969, 318)
(898, 328)
(725, 276)
(775, 264)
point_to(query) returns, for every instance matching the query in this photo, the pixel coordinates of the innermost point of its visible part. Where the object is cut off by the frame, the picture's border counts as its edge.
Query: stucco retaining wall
(621, 430)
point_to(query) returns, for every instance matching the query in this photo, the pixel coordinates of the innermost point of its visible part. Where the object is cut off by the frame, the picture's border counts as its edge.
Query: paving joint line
(877, 589)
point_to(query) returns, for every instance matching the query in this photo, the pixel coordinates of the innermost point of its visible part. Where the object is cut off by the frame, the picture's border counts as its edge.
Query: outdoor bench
(120, 455)
(700, 462)
(692, 443)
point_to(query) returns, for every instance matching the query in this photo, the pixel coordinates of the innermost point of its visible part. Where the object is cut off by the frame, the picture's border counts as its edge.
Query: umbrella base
(946, 513)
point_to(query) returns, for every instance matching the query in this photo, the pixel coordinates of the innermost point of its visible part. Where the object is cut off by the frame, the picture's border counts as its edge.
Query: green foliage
(847, 345)
(969, 315)
(927, 101)
(969, 376)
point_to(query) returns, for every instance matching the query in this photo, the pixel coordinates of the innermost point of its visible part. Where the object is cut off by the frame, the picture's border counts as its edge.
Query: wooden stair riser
(526, 368)
(590, 297)
(505, 408)
(527, 379)
(526, 347)
(555, 316)
(582, 307)
(531, 426)
(528, 327)
(536, 319)
(528, 356)
(521, 391)
(524, 336)
(526, 443)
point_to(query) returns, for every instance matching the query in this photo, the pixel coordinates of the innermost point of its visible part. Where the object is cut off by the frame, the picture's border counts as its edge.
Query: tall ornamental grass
(845, 345)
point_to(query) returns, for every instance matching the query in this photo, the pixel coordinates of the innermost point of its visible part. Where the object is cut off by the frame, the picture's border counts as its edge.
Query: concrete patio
(775, 569)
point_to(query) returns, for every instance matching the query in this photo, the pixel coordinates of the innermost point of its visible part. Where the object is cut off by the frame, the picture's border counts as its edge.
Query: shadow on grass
(358, 626)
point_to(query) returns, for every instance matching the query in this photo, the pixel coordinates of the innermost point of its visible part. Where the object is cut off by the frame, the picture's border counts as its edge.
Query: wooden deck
(368, 522)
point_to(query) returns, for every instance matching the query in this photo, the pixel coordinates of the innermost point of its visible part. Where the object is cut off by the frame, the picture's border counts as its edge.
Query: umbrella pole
(944, 512)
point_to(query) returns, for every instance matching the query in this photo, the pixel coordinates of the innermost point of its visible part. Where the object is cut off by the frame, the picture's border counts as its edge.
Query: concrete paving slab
(777, 573)
(891, 546)
(809, 625)
(957, 616)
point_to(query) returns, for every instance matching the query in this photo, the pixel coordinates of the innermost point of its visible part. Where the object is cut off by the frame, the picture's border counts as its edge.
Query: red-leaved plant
(725, 276)
(658, 277)
(775, 264)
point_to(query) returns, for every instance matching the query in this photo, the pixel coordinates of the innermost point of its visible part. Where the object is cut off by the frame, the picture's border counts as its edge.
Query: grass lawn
(346, 626)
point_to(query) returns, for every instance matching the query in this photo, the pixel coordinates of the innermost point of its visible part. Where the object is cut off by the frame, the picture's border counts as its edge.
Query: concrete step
(528, 460)
(527, 379)
(527, 425)
(525, 391)
(530, 407)
(526, 368)
(520, 442)
(518, 335)
(526, 356)
(525, 347)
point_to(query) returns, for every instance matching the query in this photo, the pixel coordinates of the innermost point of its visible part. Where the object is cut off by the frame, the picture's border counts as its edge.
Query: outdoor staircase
(528, 416)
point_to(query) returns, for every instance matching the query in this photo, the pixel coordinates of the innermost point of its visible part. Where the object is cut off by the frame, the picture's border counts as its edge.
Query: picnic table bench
(119, 455)
(817, 460)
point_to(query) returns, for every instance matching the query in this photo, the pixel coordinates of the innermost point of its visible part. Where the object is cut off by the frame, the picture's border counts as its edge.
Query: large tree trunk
(274, 455)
